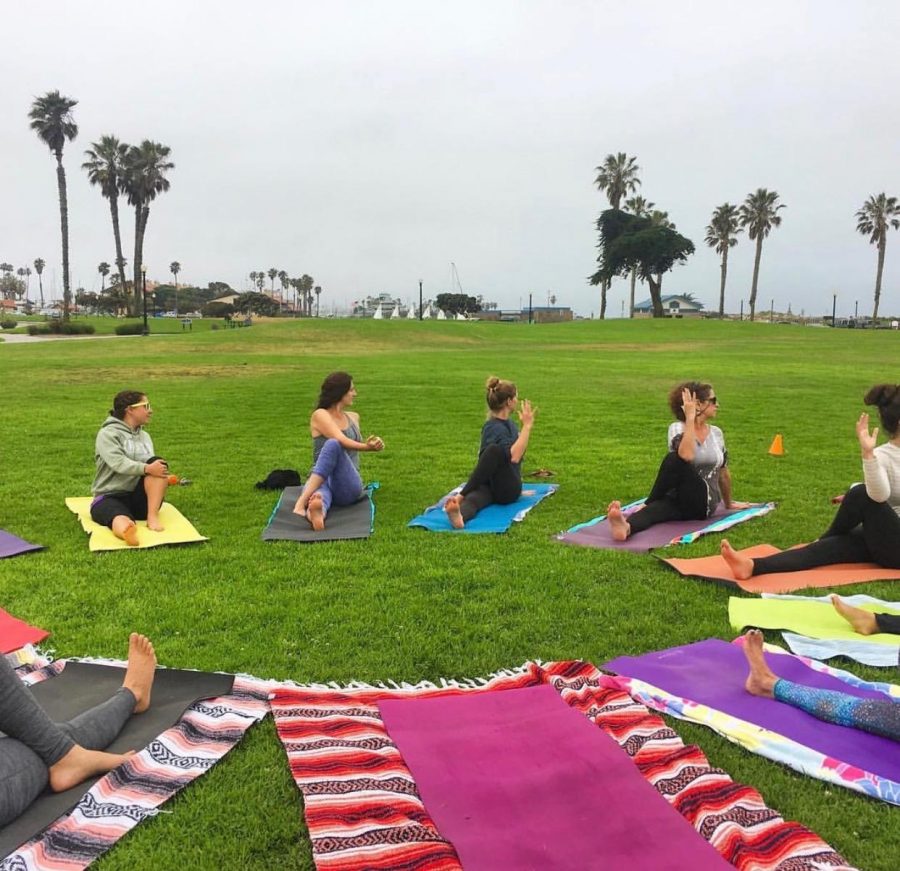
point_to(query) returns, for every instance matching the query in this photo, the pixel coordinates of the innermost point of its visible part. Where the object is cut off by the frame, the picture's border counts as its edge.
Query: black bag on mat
(278, 479)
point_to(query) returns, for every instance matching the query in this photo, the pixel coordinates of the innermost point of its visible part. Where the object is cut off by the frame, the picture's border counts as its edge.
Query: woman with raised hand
(693, 477)
(336, 442)
(866, 528)
(36, 752)
(130, 481)
(497, 477)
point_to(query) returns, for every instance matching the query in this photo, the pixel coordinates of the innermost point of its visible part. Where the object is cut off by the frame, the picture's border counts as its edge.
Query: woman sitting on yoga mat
(878, 716)
(497, 477)
(130, 483)
(693, 477)
(36, 751)
(337, 441)
(866, 528)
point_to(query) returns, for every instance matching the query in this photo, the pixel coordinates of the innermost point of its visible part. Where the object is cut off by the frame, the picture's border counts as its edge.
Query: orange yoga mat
(714, 568)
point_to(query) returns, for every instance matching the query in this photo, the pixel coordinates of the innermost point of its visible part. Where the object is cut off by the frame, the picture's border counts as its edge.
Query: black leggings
(493, 480)
(888, 623)
(863, 531)
(678, 493)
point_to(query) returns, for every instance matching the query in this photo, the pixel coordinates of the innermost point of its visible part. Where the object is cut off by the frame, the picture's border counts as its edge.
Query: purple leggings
(342, 485)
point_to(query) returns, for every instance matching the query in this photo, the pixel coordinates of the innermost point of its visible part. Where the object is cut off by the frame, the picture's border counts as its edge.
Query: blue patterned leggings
(878, 716)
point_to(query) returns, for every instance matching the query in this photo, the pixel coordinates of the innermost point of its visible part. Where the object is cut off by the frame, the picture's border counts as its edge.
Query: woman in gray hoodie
(131, 480)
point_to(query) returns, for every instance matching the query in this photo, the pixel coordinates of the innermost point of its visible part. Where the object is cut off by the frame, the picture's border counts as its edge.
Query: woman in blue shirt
(497, 477)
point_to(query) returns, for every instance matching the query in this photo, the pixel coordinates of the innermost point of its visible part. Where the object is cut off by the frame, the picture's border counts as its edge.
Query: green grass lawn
(406, 604)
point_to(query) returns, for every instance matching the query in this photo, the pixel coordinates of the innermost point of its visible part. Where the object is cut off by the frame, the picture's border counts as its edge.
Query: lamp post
(834, 312)
(420, 299)
(146, 331)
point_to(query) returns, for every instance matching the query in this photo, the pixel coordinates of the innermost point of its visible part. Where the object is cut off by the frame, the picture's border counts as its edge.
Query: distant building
(674, 306)
(540, 314)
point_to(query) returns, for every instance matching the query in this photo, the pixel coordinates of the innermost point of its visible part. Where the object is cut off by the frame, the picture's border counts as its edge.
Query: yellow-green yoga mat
(178, 529)
(814, 619)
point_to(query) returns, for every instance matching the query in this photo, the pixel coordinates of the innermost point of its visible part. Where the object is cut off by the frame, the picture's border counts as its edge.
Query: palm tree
(105, 167)
(759, 213)
(51, 118)
(616, 177)
(253, 279)
(260, 280)
(146, 166)
(273, 272)
(878, 215)
(637, 206)
(175, 268)
(21, 272)
(103, 269)
(318, 291)
(721, 234)
(39, 269)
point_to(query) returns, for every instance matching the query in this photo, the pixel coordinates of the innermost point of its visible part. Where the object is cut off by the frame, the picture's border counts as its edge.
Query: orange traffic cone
(776, 449)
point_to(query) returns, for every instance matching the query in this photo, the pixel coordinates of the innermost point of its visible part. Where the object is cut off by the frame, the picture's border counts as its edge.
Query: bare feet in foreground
(618, 525)
(130, 536)
(741, 566)
(80, 764)
(154, 524)
(315, 512)
(761, 680)
(862, 621)
(451, 506)
(300, 506)
(140, 671)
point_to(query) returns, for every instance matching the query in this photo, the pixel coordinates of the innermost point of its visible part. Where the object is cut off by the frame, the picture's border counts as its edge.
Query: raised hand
(867, 440)
(526, 412)
(689, 404)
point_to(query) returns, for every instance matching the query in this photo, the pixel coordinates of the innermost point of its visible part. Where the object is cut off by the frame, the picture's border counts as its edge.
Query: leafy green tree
(39, 269)
(103, 269)
(11, 287)
(628, 241)
(878, 215)
(217, 310)
(105, 167)
(759, 214)
(218, 288)
(617, 176)
(457, 303)
(721, 234)
(641, 207)
(146, 166)
(7, 268)
(52, 121)
(257, 303)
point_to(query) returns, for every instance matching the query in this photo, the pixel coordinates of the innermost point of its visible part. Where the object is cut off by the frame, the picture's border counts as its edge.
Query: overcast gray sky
(371, 144)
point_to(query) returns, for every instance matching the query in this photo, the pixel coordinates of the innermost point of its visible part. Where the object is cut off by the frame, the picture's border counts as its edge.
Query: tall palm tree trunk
(755, 276)
(120, 263)
(64, 227)
(604, 287)
(631, 295)
(136, 263)
(41, 286)
(882, 244)
(722, 287)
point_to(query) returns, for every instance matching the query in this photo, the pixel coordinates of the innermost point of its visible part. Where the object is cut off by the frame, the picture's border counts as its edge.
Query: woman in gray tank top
(693, 478)
(337, 441)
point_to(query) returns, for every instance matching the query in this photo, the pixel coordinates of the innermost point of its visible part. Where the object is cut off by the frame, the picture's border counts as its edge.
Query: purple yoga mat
(12, 545)
(713, 673)
(598, 534)
(517, 779)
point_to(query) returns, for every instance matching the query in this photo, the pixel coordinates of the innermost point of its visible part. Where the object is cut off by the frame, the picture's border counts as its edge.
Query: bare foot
(154, 524)
(741, 566)
(300, 506)
(130, 536)
(451, 506)
(141, 670)
(80, 764)
(315, 512)
(862, 621)
(618, 525)
(761, 680)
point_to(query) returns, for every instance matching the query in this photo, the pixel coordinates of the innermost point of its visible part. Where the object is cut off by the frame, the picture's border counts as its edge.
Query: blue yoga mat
(494, 518)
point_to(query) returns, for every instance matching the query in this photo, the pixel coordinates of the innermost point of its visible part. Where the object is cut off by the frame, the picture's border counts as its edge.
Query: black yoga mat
(80, 686)
(343, 522)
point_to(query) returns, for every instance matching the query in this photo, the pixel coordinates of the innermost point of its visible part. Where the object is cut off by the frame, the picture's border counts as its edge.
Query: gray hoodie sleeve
(110, 450)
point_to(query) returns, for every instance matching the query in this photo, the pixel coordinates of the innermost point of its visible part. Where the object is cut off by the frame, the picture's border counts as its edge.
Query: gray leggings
(33, 742)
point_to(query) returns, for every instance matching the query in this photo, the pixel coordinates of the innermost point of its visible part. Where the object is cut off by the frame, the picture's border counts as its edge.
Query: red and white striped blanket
(363, 809)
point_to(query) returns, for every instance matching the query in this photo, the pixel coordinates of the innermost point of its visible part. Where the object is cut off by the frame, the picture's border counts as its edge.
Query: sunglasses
(144, 404)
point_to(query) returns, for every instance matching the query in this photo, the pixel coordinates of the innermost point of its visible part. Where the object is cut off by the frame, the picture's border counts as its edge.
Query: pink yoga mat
(15, 633)
(519, 780)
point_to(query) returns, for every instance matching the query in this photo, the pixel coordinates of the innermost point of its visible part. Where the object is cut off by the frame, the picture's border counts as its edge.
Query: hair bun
(882, 395)
(492, 383)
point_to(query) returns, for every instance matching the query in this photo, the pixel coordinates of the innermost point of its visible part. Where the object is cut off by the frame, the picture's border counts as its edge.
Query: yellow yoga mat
(178, 529)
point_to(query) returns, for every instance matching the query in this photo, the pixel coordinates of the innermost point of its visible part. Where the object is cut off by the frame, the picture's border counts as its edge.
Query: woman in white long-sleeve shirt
(866, 527)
